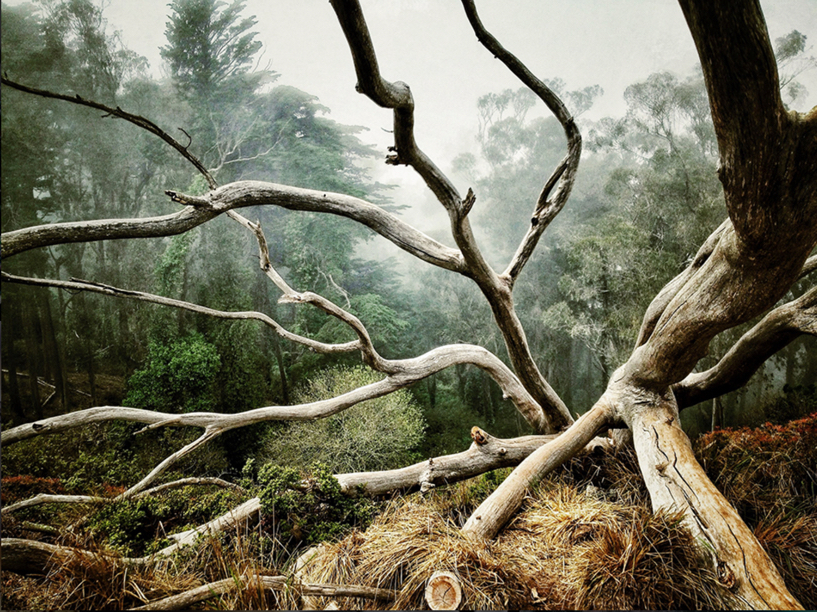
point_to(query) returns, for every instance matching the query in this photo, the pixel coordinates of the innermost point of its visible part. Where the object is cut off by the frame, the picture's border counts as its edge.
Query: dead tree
(768, 167)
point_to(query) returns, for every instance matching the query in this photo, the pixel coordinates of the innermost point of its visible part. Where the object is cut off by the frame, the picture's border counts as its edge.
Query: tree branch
(31, 557)
(406, 372)
(92, 287)
(664, 297)
(238, 195)
(763, 148)
(396, 96)
(370, 355)
(45, 498)
(773, 333)
(492, 514)
(808, 267)
(141, 122)
(565, 173)
(677, 483)
(486, 453)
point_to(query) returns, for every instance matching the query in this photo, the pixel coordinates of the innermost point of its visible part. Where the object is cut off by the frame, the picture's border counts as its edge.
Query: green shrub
(377, 434)
(309, 507)
(136, 526)
(177, 377)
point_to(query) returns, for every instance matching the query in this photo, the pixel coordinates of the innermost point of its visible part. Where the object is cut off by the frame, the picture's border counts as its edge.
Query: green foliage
(136, 526)
(377, 434)
(309, 507)
(103, 459)
(170, 267)
(179, 377)
(208, 44)
(790, 53)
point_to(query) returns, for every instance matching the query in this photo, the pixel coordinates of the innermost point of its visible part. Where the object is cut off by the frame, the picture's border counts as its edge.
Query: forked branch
(664, 297)
(546, 207)
(396, 96)
(773, 333)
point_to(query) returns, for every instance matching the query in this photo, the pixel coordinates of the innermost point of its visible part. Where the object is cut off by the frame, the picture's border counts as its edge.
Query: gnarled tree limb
(546, 208)
(660, 301)
(237, 195)
(407, 371)
(773, 333)
(45, 498)
(396, 96)
(496, 288)
(492, 514)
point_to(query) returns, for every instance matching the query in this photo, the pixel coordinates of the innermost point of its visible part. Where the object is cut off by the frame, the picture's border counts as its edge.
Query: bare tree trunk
(11, 362)
(33, 358)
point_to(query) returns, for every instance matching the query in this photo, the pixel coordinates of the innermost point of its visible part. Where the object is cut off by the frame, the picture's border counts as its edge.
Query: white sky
(429, 45)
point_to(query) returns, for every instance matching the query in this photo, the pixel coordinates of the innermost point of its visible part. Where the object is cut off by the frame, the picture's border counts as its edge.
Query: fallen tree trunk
(486, 453)
(27, 557)
(494, 512)
(276, 583)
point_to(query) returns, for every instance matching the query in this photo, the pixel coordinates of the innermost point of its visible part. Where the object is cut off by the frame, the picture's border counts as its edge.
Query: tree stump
(443, 591)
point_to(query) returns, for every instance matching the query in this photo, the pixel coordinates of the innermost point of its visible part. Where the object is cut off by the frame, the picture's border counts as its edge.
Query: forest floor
(109, 389)
(585, 539)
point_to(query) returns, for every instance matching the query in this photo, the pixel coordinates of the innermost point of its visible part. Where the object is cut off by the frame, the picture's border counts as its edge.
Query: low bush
(378, 434)
(308, 507)
(134, 527)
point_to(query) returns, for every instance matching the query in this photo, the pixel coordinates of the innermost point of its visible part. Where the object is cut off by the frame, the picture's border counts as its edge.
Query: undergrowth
(585, 538)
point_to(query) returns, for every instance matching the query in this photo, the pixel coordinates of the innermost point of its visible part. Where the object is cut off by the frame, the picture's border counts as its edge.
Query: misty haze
(371, 304)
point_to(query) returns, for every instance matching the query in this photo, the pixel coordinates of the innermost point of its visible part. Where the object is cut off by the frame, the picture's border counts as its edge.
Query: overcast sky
(429, 45)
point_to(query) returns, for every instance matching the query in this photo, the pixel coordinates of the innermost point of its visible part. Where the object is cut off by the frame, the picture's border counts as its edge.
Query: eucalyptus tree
(768, 169)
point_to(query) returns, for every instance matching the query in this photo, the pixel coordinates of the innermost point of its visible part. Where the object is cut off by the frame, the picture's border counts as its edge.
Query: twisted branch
(546, 208)
(773, 333)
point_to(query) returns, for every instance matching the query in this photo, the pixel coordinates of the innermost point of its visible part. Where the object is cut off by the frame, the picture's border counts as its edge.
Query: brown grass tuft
(568, 549)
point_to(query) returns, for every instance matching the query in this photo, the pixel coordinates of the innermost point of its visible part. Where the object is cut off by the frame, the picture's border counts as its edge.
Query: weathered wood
(30, 557)
(275, 583)
(493, 513)
(497, 288)
(772, 334)
(676, 481)
(443, 591)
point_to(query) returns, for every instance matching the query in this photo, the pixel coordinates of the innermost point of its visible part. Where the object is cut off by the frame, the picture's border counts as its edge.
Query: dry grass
(105, 583)
(585, 539)
(568, 549)
(770, 474)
